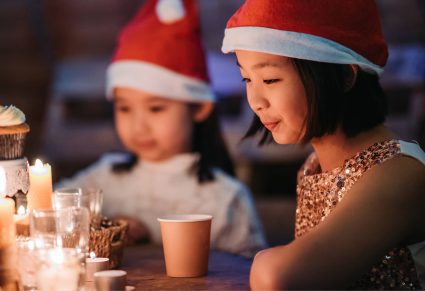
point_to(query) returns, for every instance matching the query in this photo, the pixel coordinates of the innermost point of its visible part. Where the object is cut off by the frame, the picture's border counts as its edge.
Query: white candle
(7, 210)
(110, 280)
(94, 265)
(40, 192)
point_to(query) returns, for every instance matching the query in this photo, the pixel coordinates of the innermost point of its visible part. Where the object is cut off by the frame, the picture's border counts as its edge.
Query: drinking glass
(44, 230)
(74, 228)
(26, 262)
(58, 269)
(67, 228)
(67, 197)
(92, 198)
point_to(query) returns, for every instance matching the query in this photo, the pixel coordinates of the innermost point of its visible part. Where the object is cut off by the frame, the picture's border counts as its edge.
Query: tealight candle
(40, 192)
(110, 280)
(94, 265)
(22, 222)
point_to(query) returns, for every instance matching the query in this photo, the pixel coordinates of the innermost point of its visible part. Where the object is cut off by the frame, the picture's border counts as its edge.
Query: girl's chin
(284, 139)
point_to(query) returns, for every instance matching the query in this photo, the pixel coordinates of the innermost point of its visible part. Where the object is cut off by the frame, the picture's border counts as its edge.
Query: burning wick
(22, 210)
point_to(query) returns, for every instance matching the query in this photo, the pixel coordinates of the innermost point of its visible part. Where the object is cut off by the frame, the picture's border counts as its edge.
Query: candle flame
(56, 256)
(2, 182)
(21, 210)
(92, 255)
(38, 164)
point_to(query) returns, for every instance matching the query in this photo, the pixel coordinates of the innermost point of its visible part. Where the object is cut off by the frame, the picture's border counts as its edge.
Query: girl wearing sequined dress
(312, 76)
(177, 162)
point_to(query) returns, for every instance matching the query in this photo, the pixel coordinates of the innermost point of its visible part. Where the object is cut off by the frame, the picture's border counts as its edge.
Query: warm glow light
(21, 210)
(56, 256)
(39, 168)
(38, 164)
(92, 255)
(2, 182)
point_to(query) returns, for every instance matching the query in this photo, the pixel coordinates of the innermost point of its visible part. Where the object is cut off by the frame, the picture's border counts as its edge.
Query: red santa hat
(160, 52)
(333, 31)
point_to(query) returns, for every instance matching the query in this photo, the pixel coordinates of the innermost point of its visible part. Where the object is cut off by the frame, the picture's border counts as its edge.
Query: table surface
(145, 268)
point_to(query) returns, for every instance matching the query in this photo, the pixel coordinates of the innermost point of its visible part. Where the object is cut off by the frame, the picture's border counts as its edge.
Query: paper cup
(186, 243)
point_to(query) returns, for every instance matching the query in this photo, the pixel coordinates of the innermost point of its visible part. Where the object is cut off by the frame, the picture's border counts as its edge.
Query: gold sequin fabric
(318, 193)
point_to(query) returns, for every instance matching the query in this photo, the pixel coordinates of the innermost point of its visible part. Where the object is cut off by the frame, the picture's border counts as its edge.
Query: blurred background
(53, 57)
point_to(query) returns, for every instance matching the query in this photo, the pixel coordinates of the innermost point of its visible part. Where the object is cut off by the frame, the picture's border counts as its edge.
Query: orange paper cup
(186, 243)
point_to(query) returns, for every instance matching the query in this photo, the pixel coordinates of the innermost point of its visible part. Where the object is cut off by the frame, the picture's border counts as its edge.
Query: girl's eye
(246, 80)
(122, 108)
(271, 81)
(156, 108)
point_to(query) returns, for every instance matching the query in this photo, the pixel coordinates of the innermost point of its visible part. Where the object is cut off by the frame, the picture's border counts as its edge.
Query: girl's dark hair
(208, 141)
(331, 104)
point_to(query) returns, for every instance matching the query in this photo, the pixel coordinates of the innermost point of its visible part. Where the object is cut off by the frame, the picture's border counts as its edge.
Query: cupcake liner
(12, 146)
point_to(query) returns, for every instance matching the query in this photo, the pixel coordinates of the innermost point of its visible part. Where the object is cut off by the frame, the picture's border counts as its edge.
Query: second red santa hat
(160, 52)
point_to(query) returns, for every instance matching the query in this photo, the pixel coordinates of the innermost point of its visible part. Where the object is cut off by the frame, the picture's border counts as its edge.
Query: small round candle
(94, 265)
(110, 280)
(22, 222)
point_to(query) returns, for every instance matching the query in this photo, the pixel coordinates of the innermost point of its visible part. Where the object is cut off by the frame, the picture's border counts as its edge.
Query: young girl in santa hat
(164, 115)
(311, 70)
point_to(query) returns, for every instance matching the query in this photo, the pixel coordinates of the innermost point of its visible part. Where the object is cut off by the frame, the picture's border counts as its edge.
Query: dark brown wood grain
(145, 268)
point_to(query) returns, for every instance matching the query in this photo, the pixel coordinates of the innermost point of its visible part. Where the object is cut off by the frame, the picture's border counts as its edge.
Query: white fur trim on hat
(294, 45)
(156, 80)
(169, 11)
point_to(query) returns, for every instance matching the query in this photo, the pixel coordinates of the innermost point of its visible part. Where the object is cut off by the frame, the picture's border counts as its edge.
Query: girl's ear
(202, 111)
(351, 77)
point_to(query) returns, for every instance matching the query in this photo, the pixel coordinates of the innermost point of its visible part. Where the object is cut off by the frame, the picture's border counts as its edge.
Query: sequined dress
(319, 193)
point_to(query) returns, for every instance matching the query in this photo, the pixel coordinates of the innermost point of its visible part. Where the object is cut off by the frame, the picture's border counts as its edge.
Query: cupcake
(13, 130)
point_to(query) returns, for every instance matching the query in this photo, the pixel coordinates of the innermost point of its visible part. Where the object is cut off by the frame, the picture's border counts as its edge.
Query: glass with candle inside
(26, 262)
(58, 269)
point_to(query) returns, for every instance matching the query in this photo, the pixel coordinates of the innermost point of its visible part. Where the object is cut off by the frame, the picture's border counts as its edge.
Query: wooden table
(145, 268)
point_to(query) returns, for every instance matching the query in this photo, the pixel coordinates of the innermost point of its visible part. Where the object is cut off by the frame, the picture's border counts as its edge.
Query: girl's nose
(257, 101)
(140, 125)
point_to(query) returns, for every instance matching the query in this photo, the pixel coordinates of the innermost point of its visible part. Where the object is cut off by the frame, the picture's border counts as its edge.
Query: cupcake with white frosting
(13, 131)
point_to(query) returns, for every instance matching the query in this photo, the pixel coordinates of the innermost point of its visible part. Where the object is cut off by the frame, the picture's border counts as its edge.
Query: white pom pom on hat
(169, 11)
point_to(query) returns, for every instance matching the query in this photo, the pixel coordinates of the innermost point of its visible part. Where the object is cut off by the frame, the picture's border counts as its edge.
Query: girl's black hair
(208, 141)
(331, 104)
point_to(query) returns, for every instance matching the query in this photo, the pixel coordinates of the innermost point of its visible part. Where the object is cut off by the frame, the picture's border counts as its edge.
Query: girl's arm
(383, 210)
(242, 232)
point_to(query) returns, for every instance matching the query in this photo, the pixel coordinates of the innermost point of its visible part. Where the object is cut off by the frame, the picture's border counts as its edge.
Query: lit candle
(26, 262)
(22, 221)
(58, 270)
(7, 209)
(40, 192)
(94, 265)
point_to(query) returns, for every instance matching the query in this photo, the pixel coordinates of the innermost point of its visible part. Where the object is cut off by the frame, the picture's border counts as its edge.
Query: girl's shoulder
(105, 163)
(227, 183)
(113, 158)
(400, 178)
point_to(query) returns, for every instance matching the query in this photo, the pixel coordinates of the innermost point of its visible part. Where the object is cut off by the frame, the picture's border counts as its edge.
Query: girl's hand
(138, 232)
